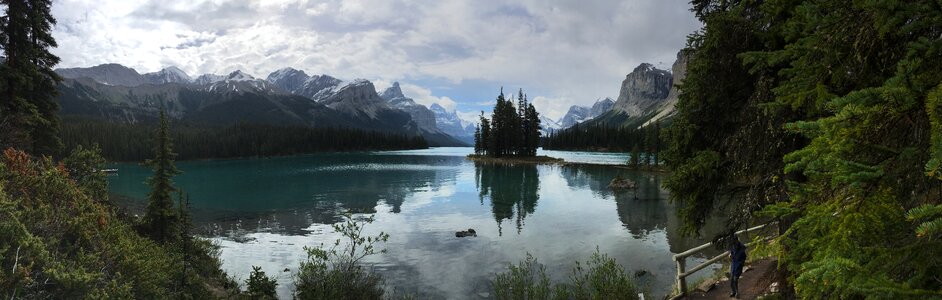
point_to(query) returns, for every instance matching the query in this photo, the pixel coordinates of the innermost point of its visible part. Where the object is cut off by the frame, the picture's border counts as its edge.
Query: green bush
(600, 278)
(56, 242)
(260, 286)
(336, 272)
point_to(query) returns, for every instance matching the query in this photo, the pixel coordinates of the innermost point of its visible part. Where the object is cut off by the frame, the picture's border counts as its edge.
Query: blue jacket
(738, 255)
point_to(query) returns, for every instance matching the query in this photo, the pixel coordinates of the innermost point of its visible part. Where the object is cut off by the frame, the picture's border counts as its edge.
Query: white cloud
(424, 96)
(469, 117)
(573, 51)
(553, 108)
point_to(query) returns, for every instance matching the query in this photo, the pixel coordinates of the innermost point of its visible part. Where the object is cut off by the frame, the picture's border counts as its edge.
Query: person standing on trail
(737, 256)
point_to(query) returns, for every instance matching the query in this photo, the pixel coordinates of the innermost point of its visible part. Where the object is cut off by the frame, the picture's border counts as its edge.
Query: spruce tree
(477, 139)
(161, 218)
(532, 130)
(635, 161)
(487, 137)
(29, 111)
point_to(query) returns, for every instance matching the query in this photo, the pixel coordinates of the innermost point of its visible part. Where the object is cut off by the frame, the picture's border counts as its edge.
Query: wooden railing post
(681, 280)
(681, 259)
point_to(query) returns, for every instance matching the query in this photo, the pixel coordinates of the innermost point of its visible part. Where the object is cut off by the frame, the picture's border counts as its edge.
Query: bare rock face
(679, 70)
(109, 74)
(357, 97)
(643, 90)
(600, 107)
(317, 87)
(168, 75)
(578, 114)
(575, 115)
(421, 115)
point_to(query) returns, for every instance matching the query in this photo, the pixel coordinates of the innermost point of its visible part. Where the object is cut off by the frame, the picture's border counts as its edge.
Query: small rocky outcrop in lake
(466, 233)
(622, 184)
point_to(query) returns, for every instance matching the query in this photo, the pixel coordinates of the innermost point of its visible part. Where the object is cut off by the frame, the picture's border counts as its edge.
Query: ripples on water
(264, 211)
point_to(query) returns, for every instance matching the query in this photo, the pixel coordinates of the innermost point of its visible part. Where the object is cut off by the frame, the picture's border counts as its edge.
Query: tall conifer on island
(28, 110)
(160, 220)
(510, 131)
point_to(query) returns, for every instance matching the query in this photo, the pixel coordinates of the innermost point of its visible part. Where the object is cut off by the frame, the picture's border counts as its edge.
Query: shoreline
(548, 160)
(267, 156)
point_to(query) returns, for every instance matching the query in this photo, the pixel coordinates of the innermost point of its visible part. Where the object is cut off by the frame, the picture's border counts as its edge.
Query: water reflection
(513, 191)
(288, 194)
(641, 210)
(559, 214)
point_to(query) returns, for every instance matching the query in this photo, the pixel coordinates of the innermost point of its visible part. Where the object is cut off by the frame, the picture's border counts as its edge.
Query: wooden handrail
(681, 258)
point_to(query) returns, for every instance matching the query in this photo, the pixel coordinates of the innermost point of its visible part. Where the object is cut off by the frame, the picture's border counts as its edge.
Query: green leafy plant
(336, 272)
(601, 277)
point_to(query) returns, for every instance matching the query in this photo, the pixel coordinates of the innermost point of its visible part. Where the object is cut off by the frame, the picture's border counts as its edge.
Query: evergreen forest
(825, 116)
(133, 142)
(511, 131)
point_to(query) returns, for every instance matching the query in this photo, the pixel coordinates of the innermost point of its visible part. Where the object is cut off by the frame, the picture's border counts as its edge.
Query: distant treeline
(603, 138)
(134, 142)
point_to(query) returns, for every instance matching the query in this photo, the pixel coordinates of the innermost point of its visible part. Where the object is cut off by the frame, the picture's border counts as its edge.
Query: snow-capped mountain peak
(208, 79)
(288, 74)
(238, 75)
(393, 92)
(169, 74)
(449, 122)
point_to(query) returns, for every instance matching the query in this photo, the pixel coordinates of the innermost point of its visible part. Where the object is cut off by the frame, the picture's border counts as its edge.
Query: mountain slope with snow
(168, 75)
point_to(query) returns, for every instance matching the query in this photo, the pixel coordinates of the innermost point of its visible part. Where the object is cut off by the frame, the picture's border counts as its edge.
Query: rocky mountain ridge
(119, 93)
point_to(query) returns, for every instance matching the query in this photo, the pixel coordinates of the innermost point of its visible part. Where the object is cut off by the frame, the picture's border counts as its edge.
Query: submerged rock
(622, 184)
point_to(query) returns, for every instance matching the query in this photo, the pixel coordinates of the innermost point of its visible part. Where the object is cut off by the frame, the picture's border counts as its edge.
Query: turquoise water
(264, 211)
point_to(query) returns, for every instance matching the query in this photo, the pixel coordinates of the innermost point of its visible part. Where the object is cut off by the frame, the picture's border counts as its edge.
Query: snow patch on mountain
(168, 75)
(208, 79)
(450, 123)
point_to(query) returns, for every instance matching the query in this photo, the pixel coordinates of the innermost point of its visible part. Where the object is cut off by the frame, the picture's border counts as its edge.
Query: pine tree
(29, 110)
(160, 218)
(487, 140)
(477, 139)
(635, 161)
(533, 133)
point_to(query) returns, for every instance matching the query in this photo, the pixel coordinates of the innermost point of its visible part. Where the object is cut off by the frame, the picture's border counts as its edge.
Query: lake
(264, 211)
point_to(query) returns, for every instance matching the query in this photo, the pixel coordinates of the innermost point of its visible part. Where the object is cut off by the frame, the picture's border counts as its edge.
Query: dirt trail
(753, 283)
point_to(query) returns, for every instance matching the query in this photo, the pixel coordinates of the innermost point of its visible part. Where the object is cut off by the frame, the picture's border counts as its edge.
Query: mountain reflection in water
(264, 211)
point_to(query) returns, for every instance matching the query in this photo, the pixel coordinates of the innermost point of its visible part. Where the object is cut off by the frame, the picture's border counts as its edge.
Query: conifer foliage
(28, 108)
(511, 131)
(823, 115)
(160, 219)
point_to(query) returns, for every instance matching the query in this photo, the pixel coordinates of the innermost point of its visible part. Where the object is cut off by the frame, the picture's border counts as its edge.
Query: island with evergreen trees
(511, 135)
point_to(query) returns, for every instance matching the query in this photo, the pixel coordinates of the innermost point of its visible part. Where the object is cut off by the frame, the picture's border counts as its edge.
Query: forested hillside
(826, 116)
(134, 142)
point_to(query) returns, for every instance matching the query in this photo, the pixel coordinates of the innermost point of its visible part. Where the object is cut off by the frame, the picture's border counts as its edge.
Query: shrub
(260, 286)
(336, 273)
(601, 278)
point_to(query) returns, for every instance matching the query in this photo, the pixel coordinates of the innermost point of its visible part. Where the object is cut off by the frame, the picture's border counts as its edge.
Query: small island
(511, 135)
(541, 159)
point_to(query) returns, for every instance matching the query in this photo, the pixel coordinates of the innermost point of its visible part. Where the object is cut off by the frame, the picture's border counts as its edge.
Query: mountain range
(647, 95)
(292, 97)
(286, 97)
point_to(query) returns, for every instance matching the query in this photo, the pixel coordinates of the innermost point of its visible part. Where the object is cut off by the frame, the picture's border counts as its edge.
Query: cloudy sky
(455, 53)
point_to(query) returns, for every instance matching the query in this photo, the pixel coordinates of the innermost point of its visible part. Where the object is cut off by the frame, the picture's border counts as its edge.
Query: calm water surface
(264, 211)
